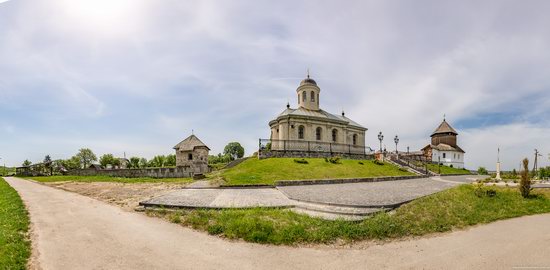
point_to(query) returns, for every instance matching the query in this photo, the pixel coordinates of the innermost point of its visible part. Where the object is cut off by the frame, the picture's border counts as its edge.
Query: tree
(106, 159)
(157, 161)
(48, 163)
(170, 160)
(525, 182)
(134, 162)
(143, 163)
(86, 157)
(26, 163)
(234, 149)
(482, 171)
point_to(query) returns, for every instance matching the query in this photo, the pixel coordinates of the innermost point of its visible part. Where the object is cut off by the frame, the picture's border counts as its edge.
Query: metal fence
(313, 146)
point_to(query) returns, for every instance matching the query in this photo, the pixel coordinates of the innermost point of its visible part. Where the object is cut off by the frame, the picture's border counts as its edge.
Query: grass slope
(451, 209)
(267, 171)
(102, 178)
(14, 225)
(446, 169)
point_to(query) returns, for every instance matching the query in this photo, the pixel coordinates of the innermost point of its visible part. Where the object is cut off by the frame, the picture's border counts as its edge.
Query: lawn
(455, 208)
(267, 171)
(446, 169)
(15, 247)
(103, 178)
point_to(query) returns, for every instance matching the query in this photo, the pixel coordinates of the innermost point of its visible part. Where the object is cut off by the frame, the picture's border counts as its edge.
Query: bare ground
(124, 195)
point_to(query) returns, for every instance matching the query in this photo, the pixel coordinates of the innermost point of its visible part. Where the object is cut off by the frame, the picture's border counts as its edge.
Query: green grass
(446, 169)
(451, 209)
(102, 178)
(15, 247)
(267, 171)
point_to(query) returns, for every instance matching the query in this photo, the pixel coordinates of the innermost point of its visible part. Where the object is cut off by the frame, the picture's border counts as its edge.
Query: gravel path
(71, 231)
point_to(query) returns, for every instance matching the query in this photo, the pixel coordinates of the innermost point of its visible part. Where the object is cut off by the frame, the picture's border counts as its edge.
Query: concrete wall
(178, 172)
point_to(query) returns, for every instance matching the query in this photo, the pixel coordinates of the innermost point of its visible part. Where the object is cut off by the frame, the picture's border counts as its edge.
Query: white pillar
(498, 172)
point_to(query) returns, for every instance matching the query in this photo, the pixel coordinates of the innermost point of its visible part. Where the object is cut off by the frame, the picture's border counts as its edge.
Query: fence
(268, 148)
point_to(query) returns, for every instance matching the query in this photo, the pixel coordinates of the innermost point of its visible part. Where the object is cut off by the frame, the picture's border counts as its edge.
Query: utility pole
(535, 166)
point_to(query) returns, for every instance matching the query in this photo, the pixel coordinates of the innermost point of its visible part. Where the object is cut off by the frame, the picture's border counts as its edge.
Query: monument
(498, 166)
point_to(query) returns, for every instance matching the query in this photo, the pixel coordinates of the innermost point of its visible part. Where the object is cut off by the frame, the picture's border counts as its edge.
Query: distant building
(192, 152)
(444, 148)
(310, 129)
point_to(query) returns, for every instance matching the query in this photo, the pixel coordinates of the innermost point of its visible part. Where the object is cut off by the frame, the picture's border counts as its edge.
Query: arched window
(300, 132)
(312, 96)
(190, 156)
(318, 132)
(334, 135)
(354, 139)
(304, 96)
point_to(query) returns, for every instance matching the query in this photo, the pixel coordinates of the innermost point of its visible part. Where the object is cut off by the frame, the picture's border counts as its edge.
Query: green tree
(134, 162)
(234, 150)
(170, 160)
(525, 182)
(48, 164)
(482, 171)
(86, 157)
(27, 163)
(157, 161)
(143, 163)
(106, 159)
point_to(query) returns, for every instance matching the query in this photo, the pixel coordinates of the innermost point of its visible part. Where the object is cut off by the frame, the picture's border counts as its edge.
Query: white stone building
(444, 148)
(308, 128)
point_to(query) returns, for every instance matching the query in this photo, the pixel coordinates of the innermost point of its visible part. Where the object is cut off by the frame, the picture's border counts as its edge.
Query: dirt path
(72, 231)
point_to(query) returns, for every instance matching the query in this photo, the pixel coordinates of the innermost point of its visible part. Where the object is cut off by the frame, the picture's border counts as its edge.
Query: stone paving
(377, 194)
(222, 198)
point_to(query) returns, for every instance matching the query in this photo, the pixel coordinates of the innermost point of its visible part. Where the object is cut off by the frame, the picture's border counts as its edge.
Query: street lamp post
(381, 138)
(396, 140)
(408, 156)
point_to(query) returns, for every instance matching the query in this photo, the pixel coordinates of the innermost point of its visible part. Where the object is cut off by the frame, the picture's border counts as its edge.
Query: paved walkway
(375, 194)
(71, 231)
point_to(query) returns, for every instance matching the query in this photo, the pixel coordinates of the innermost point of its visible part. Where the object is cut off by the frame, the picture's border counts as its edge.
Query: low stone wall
(177, 172)
(312, 154)
(344, 180)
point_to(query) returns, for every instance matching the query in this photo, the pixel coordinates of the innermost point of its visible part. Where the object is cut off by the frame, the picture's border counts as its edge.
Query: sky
(139, 76)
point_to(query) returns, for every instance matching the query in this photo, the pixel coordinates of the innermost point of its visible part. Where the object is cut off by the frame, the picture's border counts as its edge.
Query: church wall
(451, 158)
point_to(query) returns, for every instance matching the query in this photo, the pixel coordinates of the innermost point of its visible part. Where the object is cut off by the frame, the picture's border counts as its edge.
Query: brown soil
(124, 195)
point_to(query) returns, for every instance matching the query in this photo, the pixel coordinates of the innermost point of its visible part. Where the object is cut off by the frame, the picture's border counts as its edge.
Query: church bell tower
(308, 94)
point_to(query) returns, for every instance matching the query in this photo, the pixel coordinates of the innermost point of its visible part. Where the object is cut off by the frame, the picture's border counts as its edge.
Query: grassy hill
(267, 171)
(446, 169)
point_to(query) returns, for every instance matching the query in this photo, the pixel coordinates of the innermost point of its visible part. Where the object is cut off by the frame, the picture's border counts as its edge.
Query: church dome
(308, 81)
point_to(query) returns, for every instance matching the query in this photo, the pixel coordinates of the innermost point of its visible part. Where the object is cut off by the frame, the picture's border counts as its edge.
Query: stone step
(336, 209)
(327, 216)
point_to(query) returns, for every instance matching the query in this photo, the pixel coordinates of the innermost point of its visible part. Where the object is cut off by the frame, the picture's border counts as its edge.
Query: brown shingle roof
(444, 128)
(444, 147)
(190, 143)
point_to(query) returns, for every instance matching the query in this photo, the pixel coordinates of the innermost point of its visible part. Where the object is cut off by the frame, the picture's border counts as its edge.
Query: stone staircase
(235, 162)
(409, 166)
(334, 212)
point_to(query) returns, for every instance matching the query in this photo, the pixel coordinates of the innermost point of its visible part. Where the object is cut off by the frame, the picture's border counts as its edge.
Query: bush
(335, 160)
(361, 163)
(482, 171)
(481, 191)
(378, 162)
(451, 165)
(301, 161)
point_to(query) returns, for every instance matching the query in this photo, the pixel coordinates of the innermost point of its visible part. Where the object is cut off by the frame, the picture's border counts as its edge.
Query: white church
(444, 148)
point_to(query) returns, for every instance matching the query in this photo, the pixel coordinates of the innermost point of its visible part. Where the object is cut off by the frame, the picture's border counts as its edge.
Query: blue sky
(138, 76)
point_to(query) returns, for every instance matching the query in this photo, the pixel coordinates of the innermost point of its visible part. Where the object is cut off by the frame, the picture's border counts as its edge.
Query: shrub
(482, 171)
(301, 161)
(481, 191)
(378, 162)
(361, 163)
(335, 160)
(451, 165)
(525, 182)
